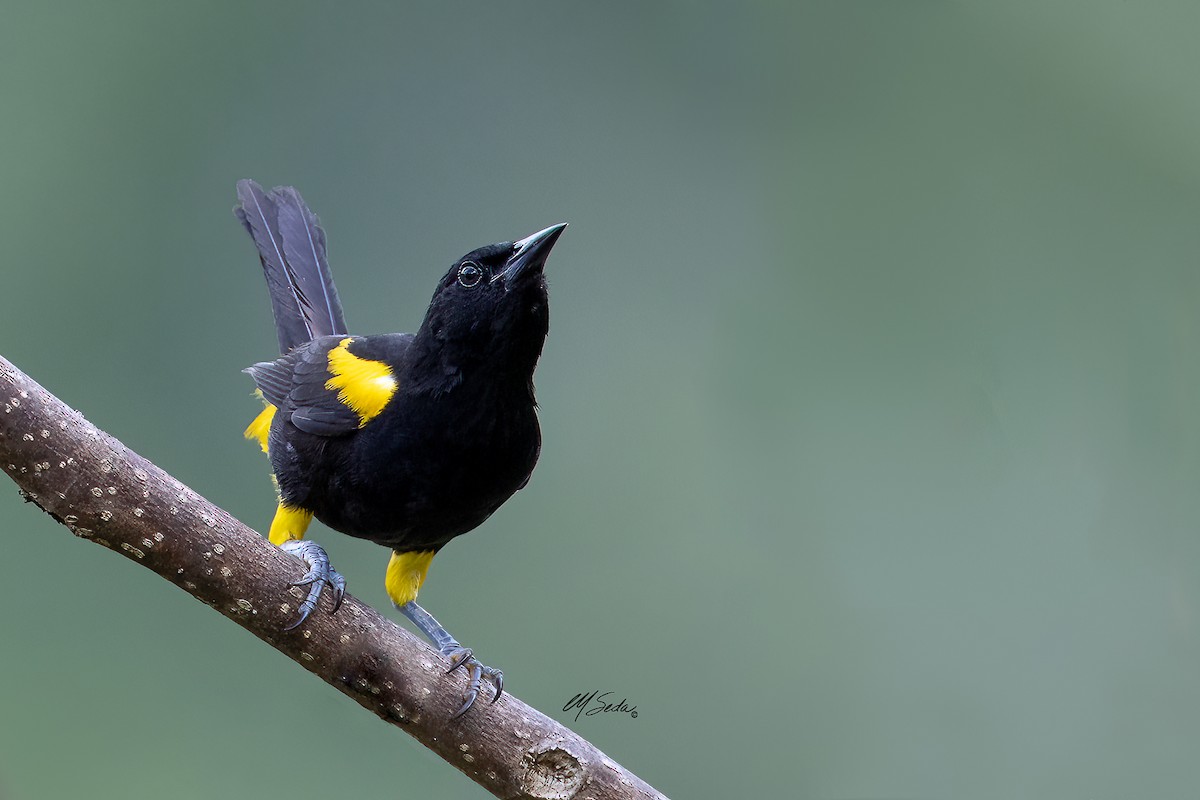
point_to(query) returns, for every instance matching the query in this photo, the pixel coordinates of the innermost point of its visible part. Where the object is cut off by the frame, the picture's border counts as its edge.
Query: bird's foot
(462, 657)
(320, 574)
(459, 656)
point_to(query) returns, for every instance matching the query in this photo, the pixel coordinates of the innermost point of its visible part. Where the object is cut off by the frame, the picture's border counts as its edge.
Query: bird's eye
(469, 274)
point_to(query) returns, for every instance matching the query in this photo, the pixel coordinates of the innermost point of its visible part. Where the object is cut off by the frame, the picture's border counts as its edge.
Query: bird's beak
(530, 253)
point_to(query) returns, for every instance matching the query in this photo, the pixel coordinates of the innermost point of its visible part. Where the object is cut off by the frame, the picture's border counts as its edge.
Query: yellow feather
(261, 427)
(405, 574)
(289, 523)
(363, 386)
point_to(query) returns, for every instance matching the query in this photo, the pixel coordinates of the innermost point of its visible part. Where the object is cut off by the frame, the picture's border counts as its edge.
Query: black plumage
(459, 436)
(291, 247)
(407, 440)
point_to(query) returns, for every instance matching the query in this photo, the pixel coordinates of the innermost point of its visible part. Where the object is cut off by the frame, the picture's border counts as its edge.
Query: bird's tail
(291, 246)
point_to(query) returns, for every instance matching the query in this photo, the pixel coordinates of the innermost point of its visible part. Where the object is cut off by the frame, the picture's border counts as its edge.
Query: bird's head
(491, 306)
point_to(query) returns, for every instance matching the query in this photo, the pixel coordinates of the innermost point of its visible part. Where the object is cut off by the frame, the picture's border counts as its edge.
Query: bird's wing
(330, 386)
(291, 247)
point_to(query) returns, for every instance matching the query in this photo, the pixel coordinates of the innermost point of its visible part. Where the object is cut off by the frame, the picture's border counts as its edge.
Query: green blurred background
(871, 402)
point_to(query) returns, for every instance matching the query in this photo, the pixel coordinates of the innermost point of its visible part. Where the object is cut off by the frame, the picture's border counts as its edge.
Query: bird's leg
(287, 530)
(459, 656)
(405, 574)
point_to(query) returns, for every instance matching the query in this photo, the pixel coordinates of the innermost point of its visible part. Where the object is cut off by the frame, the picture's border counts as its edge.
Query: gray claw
(320, 574)
(339, 589)
(461, 657)
(458, 656)
(472, 690)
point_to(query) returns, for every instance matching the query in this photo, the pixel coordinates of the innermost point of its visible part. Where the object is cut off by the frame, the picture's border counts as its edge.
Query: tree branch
(107, 494)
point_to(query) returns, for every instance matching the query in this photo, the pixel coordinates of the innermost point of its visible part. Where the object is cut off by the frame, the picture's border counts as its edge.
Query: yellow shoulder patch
(363, 386)
(260, 429)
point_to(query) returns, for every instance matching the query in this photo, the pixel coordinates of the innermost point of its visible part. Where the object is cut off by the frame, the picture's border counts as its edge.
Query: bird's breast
(430, 468)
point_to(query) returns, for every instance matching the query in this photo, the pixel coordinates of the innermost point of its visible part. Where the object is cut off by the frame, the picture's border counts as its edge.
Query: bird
(405, 439)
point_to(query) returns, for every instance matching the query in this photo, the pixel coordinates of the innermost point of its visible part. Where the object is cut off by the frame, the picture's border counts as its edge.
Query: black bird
(406, 439)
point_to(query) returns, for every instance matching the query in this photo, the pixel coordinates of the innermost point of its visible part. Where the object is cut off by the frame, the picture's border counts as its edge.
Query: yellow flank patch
(261, 427)
(363, 386)
(289, 523)
(405, 574)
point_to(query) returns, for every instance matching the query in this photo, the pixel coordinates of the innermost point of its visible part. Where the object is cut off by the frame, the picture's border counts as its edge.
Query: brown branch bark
(107, 494)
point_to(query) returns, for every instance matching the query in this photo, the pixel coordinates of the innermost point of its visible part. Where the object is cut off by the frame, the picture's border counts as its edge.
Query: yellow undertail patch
(405, 574)
(260, 429)
(289, 523)
(363, 386)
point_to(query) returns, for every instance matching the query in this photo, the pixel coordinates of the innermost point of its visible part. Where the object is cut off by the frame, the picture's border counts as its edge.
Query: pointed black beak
(530, 253)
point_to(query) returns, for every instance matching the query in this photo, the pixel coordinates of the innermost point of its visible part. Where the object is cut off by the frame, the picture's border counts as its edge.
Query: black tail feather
(273, 379)
(291, 246)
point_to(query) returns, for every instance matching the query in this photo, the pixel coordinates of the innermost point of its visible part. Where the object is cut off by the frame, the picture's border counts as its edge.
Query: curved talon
(472, 689)
(339, 589)
(461, 657)
(458, 657)
(306, 607)
(320, 574)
